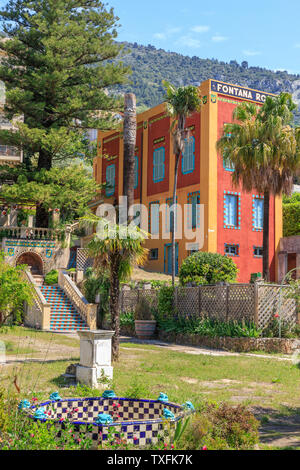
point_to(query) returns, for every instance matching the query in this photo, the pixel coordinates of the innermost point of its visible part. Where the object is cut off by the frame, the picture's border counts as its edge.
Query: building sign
(239, 92)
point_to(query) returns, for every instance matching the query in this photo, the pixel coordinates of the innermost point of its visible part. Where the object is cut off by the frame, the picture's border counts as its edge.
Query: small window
(188, 156)
(258, 251)
(110, 180)
(153, 254)
(159, 165)
(231, 210)
(136, 172)
(232, 250)
(258, 214)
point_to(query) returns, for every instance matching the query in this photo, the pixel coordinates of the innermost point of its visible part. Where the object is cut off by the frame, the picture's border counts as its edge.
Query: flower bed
(138, 422)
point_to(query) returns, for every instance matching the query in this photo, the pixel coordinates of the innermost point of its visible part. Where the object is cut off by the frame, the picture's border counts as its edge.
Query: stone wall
(269, 345)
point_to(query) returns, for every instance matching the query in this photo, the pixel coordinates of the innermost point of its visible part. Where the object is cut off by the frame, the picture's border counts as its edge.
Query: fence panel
(268, 305)
(241, 302)
(234, 302)
(187, 301)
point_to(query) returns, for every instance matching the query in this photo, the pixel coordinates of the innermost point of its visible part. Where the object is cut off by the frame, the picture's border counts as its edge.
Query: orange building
(231, 222)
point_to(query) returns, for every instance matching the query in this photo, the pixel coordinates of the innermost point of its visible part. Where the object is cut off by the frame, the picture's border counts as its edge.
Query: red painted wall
(192, 178)
(246, 238)
(111, 149)
(157, 130)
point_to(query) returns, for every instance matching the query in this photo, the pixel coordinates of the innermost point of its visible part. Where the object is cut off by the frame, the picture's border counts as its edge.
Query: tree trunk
(129, 150)
(114, 305)
(266, 238)
(181, 127)
(173, 220)
(44, 161)
(42, 217)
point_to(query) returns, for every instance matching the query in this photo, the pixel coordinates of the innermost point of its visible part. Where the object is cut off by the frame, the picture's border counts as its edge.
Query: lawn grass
(18, 333)
(146, 370)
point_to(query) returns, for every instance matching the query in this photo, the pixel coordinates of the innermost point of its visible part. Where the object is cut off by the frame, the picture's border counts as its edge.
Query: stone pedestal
(95, 357)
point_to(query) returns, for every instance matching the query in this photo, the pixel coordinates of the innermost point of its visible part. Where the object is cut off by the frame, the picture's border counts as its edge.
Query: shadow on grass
(279, 428)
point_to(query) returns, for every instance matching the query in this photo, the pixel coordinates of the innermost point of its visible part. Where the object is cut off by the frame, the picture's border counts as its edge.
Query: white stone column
(95, 357)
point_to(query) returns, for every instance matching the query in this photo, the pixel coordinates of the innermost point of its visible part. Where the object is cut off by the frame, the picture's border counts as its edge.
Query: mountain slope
(150, 66)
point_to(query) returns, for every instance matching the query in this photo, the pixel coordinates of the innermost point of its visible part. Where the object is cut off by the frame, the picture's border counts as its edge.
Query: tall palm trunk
(129, 149)
(114, 304)
(266, 237)
(178, 146)
(177, 158)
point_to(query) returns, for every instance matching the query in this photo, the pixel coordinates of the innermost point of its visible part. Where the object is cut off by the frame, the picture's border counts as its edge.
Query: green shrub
(207, 268)
(291, 219)
(165, 301)
(209, 327)
(51, 278)
(143, 310)
(127, 319)
(223, 427)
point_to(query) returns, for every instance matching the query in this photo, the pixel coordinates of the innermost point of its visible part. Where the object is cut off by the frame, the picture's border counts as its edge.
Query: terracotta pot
(145, 328)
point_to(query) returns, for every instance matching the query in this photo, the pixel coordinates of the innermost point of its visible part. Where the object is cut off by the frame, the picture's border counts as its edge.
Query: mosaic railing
(88, 312)
(38, 313)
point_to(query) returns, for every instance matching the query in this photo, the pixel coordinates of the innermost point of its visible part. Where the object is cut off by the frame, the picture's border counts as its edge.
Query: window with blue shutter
(136, 172)
(193, 214)
(159, 165)
(258, 214)
(154, 218)
(188, 156)
(110, 180)
(231, 210)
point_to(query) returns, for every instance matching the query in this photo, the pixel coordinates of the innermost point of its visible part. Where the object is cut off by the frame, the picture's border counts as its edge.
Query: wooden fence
(250, 302)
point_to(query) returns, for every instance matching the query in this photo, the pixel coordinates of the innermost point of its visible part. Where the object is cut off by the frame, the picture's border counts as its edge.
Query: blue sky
(263, 32)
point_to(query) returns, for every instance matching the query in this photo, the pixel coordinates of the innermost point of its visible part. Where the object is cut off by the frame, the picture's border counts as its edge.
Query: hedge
(291, 219)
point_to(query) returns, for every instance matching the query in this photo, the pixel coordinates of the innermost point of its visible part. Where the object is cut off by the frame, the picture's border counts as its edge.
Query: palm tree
(118, 250)
(181, 103)
(264, 150)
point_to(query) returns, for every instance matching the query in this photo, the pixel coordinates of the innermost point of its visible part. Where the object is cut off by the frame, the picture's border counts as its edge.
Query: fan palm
(264, 150)
(181, 103)
(117, 250)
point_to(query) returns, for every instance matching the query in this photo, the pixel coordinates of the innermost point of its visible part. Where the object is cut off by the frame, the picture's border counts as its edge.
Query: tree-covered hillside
(150, 66)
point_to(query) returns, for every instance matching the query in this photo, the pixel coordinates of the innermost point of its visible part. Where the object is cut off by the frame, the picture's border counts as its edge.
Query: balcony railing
(25, 233)
(9, 151)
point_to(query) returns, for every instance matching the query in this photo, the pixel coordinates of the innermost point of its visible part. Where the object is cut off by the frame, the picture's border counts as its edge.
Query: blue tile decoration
(142, 421)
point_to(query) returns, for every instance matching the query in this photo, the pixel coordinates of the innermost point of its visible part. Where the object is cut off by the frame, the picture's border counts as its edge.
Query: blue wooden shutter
(154, 218)
(110, 180)
(231, 210)
(259, 213)
(159, 165)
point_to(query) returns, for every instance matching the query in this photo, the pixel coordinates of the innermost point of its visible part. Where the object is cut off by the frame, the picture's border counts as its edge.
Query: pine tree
(58, 71)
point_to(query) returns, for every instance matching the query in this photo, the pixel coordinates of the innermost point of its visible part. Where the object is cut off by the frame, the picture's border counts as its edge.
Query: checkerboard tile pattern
(139, 422)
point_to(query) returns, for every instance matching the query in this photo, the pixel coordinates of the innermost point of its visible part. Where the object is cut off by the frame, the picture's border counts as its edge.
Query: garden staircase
(63, 315)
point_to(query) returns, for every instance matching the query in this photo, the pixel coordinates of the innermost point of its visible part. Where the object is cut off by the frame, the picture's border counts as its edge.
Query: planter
(145, 328)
